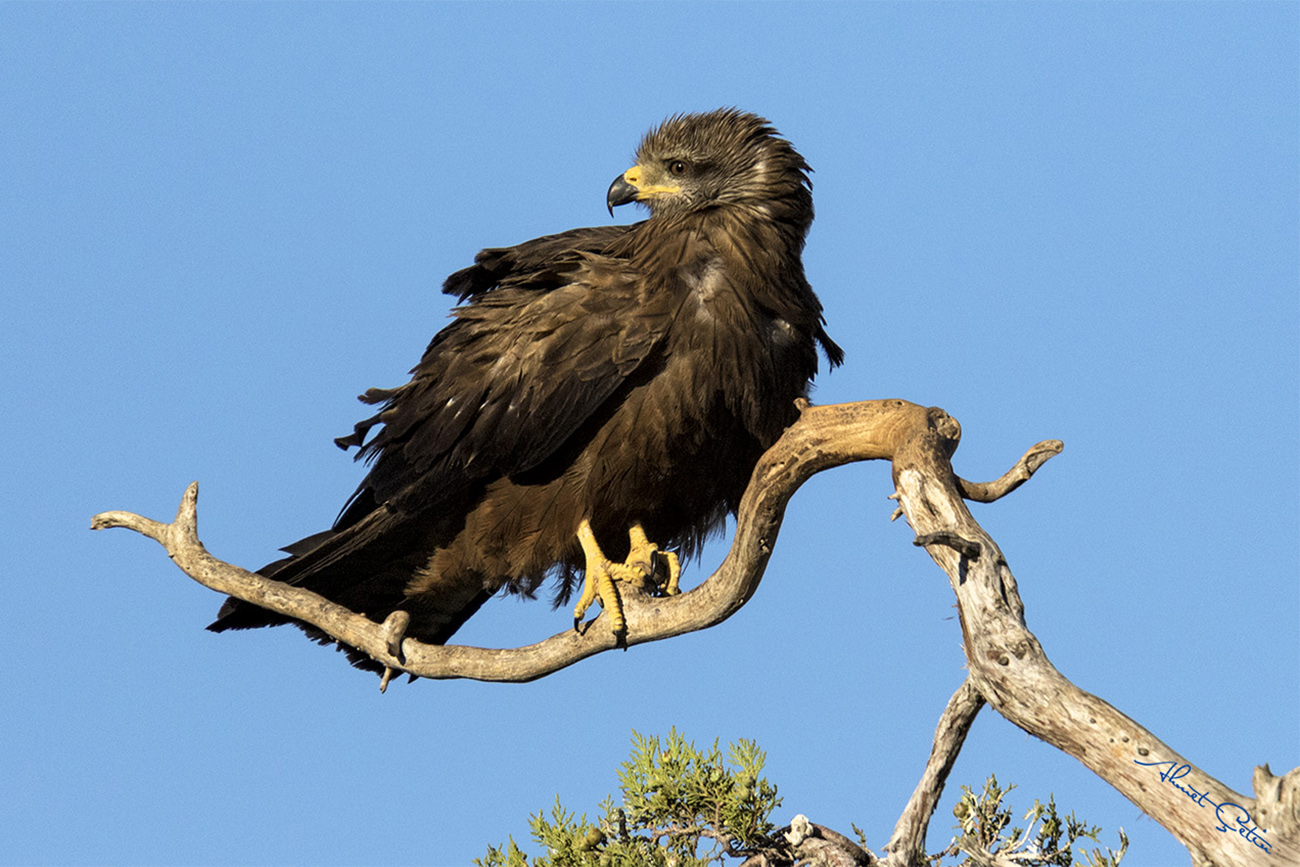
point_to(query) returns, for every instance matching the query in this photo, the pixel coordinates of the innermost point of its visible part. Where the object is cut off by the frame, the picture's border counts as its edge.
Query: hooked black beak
(620, 193)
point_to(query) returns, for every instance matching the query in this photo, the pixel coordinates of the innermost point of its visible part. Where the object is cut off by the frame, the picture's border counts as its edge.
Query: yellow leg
(644, 562)
(598, 581)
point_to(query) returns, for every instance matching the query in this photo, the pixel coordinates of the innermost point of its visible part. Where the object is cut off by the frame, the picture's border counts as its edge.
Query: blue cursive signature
(1225, 812)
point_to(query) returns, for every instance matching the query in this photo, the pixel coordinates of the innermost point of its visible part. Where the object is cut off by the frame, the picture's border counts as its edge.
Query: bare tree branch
(987, 492)
(1007, 665)
(1009, 668)
(824, 437)
(818, 846)
(907, 847)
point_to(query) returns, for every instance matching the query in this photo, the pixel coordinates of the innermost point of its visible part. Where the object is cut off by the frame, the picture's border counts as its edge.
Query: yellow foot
(646, 568)
(663, 567)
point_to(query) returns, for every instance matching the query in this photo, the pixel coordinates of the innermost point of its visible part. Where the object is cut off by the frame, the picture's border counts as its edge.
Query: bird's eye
(677, 168)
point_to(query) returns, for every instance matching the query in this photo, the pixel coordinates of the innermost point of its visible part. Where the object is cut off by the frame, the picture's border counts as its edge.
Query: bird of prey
(601, 396)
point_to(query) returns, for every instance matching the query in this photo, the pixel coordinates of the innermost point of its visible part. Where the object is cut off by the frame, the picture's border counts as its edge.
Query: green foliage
(685, 807)
(681, 807)
(1048, 839)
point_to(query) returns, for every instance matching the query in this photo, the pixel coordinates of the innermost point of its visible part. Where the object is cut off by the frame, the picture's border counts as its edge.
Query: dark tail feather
(365, 568)
(238, 614)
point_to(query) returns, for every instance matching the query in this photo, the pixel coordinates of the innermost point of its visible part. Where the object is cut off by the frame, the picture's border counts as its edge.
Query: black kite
(597, 389)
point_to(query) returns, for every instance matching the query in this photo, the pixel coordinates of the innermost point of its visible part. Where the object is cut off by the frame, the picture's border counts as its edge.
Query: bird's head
(693, 162)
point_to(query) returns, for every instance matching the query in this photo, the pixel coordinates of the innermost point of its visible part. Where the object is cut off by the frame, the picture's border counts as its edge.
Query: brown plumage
(617, 374)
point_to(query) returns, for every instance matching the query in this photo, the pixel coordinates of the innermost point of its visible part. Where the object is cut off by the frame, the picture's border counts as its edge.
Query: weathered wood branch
(907, 845)
(1008, 667)
(818, 845)
(824, 437)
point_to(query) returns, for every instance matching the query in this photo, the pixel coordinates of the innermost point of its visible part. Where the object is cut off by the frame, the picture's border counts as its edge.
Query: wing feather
(509, 382)
(531, 259)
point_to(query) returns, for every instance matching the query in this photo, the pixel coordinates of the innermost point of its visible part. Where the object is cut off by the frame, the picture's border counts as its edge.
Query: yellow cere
(633, 177)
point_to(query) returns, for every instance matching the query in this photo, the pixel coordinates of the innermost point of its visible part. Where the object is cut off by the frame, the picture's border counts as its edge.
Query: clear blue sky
(223, 221)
